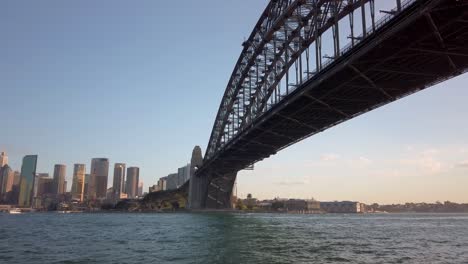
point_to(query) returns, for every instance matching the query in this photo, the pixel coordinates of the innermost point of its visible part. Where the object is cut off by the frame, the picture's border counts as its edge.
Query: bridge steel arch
(285, 30)
(280, 92)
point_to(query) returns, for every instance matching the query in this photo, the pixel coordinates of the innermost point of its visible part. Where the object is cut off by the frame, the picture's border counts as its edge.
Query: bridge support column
(197, 191)
(211, 191)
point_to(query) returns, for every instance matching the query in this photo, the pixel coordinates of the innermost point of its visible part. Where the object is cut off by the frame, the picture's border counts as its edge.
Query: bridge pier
(211, 191)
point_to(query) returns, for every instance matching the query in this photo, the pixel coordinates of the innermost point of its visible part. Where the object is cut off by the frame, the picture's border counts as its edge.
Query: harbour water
(233, 238)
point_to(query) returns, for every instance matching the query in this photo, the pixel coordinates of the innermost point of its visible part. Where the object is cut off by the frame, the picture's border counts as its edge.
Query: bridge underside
(423, 45)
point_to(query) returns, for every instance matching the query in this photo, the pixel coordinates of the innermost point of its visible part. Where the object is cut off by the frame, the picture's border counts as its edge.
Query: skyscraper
(37, 178)
(86, 184)
(59, 178)
(28, 171)
(6, 182)
(183, 175)
(45, 186)
(140, 189)
(97, 186)
(133, 178)
(17, 178)
(119, 180)
(3, 159)
(78, 182)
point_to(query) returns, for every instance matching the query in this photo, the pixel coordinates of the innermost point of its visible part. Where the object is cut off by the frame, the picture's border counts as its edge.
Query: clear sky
(141, 82)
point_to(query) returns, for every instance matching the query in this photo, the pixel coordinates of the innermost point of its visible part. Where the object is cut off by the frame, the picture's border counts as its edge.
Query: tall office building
(119, 180)
(3, 159)
(140, 189)
(78, 182)
(172, 181)
(59, 178)
(28, 171)
(17, 178)
(6, 182)
(183, 175)
(97, 186)
(45, 186)
(37, 178)
(133, 178)
(86, 183)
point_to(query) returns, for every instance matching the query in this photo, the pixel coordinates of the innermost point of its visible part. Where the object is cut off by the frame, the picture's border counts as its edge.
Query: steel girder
(262, 75)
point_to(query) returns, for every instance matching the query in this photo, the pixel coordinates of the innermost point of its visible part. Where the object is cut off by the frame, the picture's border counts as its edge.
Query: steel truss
(277, 58)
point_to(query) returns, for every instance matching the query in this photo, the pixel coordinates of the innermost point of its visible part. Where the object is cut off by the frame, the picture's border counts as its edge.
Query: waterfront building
(6, 182)
(183, 175)
(26, 188)
(341, 207)
(162, 184)
(45, 186)
(172, 181)
(140, 189)
(78, 182)
(3, 159)
(36, 181)
(109, 194)
(154, 188)
(17, 177)
(59, 178)
(300, 205)
(119, 180)
(97, 185)
(86, 182)
(133, 178)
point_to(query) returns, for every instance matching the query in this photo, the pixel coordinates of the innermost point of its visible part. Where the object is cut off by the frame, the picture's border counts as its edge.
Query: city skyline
(411, 150)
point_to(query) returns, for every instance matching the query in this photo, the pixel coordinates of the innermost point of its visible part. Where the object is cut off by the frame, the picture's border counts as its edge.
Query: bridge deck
(421, 46)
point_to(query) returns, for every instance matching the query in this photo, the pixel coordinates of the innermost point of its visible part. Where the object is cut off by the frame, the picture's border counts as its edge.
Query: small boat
(14, 211)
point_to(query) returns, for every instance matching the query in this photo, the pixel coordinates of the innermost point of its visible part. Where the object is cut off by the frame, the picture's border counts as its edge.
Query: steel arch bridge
(284, 87)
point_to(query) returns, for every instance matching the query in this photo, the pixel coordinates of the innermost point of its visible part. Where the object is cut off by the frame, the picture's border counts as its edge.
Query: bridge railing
(378, 24)
(358, 39)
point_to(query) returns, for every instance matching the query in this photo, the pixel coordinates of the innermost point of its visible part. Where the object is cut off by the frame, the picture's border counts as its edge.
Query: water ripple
(233, 238)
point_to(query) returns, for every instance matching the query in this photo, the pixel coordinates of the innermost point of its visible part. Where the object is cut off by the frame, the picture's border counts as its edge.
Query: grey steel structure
(284, 88)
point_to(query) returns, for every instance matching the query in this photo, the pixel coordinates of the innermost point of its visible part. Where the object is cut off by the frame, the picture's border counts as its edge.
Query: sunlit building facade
(59, 178)
(28, 172)
(78, 182)
(3, 159)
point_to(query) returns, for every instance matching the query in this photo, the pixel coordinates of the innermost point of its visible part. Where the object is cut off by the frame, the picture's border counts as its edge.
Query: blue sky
(141, 83)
